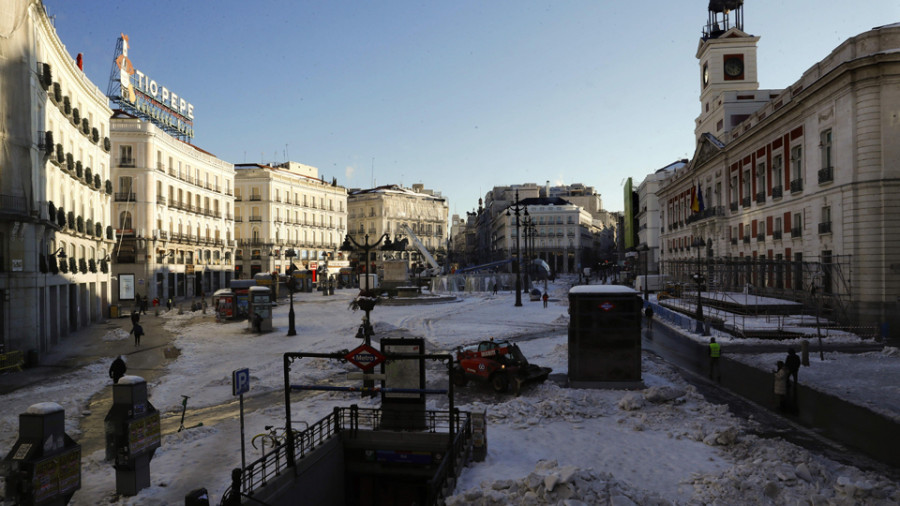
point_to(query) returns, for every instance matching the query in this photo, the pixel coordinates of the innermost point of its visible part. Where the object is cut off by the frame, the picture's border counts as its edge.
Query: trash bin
(113, 311)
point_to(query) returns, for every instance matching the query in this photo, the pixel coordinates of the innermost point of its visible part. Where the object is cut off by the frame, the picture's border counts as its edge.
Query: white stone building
(55, 190)
(807, 181)
(286, 208)
(173, 212)
(387, 209)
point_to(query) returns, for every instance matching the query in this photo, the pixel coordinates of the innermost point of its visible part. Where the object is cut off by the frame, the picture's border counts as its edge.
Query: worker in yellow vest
(715, 351)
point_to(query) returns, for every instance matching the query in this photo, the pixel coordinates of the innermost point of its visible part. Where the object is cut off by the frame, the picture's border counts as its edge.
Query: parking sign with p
(240, 381)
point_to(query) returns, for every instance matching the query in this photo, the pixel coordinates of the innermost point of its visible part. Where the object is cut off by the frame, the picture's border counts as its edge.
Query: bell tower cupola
(727, 56)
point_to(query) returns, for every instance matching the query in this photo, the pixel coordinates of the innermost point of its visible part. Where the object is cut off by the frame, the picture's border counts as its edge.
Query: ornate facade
(799, 195)
(286, 208)
(55, 192)
(173, 214)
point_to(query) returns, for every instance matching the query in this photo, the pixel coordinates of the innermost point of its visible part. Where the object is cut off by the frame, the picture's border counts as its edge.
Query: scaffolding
(822, 285)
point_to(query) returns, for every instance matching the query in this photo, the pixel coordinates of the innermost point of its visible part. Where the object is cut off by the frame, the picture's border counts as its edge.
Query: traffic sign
(240, 381)
(365, 357)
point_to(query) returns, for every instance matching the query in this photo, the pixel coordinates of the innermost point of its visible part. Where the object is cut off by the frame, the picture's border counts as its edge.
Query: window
(797, 226)
(825, 146)
(826, 173)
(825, 223)
(126, 158)
(734, 192)
(796, 169)
(777, 175)
(761, 182)
(746, 189)
(776, 233)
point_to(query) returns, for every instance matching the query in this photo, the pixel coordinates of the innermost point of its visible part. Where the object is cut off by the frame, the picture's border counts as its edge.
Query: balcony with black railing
(746, 239)
(776, 192)
(761, 197)
(825, 227)
(760, 237)
(776, 235)
(745, 202)
(796, 186)
(125, 197)
(826, 175)
(796, 232)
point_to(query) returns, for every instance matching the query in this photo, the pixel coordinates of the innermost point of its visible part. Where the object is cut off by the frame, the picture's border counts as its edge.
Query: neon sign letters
(149, 99)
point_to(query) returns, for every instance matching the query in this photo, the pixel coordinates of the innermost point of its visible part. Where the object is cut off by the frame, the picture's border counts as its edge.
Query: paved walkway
(101, 340)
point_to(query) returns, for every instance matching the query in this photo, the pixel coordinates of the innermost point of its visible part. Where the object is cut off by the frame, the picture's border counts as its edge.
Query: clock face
(705, 74)
(734, 67)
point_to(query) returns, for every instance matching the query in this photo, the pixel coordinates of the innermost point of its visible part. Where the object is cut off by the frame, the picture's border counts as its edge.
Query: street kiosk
(260, 309)
(44, 465)
(132, 434)
(224, 302)
(604, 337)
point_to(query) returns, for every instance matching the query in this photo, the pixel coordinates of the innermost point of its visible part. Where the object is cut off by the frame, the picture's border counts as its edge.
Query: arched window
(125, 220)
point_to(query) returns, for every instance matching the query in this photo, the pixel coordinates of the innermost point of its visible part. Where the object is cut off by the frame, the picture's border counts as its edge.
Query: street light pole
(291, 284)
(699, 243)
(517, 209)
(646, 272)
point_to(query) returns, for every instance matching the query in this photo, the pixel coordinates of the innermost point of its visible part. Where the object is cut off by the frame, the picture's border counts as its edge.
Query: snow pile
(551, 483)
(777, 472)
(115, 335)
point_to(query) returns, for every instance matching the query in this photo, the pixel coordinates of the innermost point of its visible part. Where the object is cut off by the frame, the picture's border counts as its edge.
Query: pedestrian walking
(169, 304)
(715, 351)
(144, 304)
(138, 331)
(648, 312)
(545, 298)
(117, 369)
(495, 288)
(135, 317)
(780, 386)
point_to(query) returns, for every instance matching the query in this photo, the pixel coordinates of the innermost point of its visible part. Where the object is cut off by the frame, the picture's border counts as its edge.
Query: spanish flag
(695, 204)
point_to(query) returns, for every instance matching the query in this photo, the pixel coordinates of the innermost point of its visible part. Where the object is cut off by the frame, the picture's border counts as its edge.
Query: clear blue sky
(458, 95)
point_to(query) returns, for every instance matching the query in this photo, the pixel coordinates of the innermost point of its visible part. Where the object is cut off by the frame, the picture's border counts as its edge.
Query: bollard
(804, 352)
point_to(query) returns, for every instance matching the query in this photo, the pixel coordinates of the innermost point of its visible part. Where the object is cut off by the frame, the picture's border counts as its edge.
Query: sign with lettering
(142, 96)
(365, 357)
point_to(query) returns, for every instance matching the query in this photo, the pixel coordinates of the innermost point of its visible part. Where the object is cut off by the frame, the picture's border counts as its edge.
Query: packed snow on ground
(663, 444)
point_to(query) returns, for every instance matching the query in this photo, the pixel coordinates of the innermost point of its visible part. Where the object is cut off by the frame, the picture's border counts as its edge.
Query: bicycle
(273, 438)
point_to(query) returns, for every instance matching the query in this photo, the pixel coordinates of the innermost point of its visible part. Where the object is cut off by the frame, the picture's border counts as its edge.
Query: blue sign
(240, 381)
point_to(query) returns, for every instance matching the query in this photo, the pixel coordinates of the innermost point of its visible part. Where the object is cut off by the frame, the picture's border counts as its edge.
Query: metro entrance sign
(607, 306)
(365, 357)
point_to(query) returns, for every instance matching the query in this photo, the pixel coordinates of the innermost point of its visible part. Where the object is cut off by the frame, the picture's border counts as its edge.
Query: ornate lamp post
(528, 224)
(292, 285)
(518, 210)
(698, 277)
(351, 245)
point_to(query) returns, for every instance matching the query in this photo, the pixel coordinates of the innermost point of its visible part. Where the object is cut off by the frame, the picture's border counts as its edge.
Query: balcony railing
(733, 206)
(126, 162)
(826, 175)
(160, 200)
(746, 239)
(776, 192)
(745, 202)
(124, 197)
(776, 235)
(797, 186)
(734, 241)
(796, 232)
(760, 237)
(761, 197)
(825, 227)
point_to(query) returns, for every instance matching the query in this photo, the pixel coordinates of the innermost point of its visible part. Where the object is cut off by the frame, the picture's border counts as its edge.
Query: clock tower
(727, 58)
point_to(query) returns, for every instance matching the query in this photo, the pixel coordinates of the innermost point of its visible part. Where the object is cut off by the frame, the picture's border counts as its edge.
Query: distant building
(55, 193)
(649, 215)
(283, 210)
(387, 209)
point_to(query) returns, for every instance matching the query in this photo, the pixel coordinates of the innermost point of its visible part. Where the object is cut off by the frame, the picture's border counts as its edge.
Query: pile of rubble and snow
(753, 470)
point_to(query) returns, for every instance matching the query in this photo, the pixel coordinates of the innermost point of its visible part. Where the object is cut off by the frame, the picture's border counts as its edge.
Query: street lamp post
(646, 250)
(701, 329)
(518, 210)
(292, 285)
(528, 224)
(351, 245)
